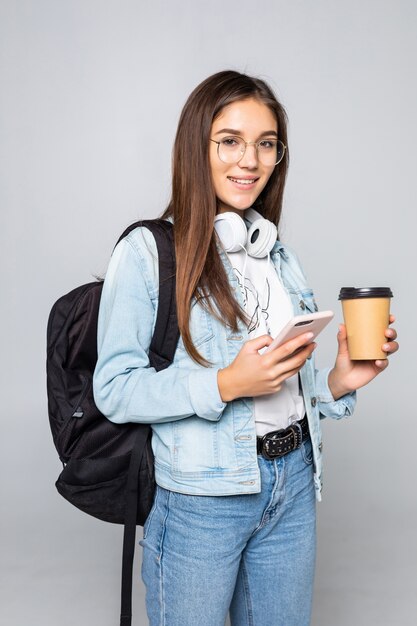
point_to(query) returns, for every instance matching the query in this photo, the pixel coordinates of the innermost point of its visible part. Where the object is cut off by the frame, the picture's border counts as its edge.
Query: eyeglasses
(269, 151)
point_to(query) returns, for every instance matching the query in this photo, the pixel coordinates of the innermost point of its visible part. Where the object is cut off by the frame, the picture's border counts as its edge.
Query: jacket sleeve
(328, 406)
(126, 388)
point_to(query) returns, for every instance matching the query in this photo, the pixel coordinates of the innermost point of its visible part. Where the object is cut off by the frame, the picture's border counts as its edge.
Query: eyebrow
(232, 131)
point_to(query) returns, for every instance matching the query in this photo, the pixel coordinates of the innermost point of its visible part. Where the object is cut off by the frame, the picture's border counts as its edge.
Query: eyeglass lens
(232, 149)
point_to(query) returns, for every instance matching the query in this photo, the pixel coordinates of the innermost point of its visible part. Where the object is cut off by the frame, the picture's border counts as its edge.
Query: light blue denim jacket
(202, 445)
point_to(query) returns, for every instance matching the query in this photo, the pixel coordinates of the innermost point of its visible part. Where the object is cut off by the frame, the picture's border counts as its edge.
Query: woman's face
(238, 185)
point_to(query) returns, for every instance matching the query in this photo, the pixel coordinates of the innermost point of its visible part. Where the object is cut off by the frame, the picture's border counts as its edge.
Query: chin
(242, 205)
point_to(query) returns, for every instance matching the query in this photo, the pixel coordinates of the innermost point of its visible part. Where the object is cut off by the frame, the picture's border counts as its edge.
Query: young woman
(232, 527)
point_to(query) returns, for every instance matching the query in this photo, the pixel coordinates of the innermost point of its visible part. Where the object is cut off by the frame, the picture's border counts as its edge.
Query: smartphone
(312, 322)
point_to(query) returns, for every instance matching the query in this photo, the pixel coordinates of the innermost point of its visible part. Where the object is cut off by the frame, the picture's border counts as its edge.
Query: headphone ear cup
(262, 236)
(231, 230)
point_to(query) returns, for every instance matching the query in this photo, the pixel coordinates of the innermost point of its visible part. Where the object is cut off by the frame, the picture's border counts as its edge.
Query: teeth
(243, 181)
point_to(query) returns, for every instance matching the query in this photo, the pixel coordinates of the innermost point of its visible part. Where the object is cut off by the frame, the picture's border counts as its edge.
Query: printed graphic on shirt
(256, 306)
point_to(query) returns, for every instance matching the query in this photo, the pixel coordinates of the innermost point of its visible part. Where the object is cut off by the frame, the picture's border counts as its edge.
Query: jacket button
(320, 446)
(302, 305)
(313, 402)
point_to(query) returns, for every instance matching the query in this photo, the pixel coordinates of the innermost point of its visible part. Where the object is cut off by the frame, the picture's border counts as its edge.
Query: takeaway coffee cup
(366, 315)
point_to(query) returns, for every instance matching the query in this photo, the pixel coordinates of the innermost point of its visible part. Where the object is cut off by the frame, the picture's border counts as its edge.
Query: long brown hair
(200, 272)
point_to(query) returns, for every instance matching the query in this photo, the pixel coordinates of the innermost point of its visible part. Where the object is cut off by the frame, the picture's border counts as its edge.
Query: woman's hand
(347, 375)
(254, 374)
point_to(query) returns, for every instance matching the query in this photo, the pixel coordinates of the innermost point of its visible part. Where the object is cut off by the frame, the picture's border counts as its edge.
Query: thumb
(258, 343)
(342, 339)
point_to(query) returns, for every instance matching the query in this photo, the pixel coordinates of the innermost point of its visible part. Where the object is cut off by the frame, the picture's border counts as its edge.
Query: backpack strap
(165, 338)
(161, 355)
(129, 535)
(166, 334)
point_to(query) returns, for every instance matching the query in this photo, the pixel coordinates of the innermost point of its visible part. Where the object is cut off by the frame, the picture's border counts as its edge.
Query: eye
(267, 144)
(230, 142)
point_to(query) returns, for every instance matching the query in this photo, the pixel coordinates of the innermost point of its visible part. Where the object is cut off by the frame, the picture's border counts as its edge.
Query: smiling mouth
(244, 181)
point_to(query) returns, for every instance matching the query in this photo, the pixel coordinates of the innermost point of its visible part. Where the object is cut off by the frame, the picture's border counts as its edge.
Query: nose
(250, 156)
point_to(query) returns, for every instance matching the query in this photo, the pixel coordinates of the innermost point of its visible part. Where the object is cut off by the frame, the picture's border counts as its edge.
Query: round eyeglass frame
(249, 143)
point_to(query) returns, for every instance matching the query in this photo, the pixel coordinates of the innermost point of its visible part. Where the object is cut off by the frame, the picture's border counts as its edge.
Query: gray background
(90, 95)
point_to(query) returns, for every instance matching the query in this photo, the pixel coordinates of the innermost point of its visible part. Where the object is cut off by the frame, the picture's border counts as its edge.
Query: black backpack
(108, 468)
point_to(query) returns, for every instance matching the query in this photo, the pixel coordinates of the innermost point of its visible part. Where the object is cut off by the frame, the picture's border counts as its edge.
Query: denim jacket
(202, 445)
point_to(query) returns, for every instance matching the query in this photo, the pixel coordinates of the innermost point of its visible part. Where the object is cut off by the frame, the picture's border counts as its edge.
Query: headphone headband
(258, 240)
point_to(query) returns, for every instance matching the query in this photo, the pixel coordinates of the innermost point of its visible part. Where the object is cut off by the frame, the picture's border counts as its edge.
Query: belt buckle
(295, 428)
(265, 443)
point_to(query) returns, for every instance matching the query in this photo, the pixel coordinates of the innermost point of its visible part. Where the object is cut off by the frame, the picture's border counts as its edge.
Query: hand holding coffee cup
(366, 313)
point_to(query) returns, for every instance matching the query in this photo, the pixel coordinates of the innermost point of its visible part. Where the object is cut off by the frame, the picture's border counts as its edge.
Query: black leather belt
(279, 442)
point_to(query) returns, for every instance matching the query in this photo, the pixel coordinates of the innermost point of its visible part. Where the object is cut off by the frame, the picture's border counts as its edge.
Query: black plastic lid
(351, 293)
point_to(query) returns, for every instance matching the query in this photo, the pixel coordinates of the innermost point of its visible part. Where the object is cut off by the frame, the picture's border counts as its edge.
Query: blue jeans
(252, 555)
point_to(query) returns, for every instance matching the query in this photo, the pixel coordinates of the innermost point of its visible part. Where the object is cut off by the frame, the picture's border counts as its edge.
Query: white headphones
(258, 240)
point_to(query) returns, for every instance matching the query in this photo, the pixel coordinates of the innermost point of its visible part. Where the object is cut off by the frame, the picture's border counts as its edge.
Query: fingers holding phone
(293, 345)
(300, 325)
(253, 374)
(287, 359)
(263, 364)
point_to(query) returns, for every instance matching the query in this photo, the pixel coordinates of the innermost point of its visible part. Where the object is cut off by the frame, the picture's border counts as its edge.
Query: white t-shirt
(269, 308)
